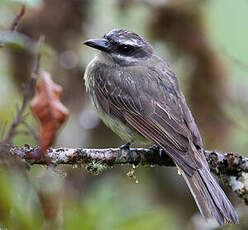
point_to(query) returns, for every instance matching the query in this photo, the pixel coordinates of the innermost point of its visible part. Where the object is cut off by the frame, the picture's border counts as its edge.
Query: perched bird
(136, 94)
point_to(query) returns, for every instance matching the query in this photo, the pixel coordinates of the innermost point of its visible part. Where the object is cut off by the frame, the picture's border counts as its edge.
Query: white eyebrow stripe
(130, 42)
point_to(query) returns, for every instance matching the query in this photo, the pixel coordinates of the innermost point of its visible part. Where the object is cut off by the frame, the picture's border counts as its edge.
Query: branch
(232, 168)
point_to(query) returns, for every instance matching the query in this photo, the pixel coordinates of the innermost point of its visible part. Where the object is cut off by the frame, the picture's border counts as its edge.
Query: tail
(209, 197)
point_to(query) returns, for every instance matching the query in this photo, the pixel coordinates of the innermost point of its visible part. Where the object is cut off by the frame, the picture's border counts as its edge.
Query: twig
(31, 131)
(17, 120)
(16, 21)
(37, 61)
(18, 18)
(232, 168)
(2, 129)
(28, 93)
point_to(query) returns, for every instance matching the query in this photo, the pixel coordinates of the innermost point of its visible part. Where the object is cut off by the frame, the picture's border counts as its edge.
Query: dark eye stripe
(126, 50)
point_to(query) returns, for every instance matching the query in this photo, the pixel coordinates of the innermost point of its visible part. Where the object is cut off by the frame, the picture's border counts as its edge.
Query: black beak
(100, 44)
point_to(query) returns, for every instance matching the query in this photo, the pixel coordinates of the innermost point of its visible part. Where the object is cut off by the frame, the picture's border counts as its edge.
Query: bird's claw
(158, 149)
(126, 148)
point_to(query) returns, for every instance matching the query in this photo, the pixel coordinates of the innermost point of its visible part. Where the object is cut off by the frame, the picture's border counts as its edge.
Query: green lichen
(95, 167)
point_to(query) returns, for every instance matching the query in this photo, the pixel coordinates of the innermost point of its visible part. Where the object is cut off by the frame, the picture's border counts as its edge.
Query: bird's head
(123, 47)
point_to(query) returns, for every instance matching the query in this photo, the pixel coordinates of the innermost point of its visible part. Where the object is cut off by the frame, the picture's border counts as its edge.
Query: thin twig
(16, 121)
(16, 21)
(22, 132)
(18, 18)
(28, 93)
(38, 57)
(3, 129)
(31, 131)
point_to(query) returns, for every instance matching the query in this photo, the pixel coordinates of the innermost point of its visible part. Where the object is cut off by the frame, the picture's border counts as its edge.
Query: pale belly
(125, 132)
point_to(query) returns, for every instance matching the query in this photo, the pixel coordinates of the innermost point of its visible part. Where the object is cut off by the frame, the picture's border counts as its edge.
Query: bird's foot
(126, 149)
(158, 149)
(163, 156)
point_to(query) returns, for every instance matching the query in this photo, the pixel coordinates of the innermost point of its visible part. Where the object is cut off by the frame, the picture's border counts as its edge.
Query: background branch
(28, 92)
(20, 115)
(232, 168)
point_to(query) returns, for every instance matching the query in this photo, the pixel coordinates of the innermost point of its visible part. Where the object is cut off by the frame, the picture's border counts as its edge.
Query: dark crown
(126, 43)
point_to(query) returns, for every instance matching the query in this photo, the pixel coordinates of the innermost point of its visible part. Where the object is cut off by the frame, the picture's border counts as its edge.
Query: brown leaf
(48, 109)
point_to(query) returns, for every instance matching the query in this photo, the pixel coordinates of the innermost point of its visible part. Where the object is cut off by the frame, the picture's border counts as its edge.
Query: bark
(232, 168)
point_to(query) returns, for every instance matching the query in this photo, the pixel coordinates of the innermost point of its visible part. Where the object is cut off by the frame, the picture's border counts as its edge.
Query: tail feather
(209, 197)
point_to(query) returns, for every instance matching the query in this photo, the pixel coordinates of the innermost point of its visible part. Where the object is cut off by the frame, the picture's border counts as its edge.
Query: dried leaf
(48, 109)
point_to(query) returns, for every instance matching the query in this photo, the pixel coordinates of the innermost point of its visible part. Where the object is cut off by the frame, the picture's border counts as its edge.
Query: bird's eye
(125, 49)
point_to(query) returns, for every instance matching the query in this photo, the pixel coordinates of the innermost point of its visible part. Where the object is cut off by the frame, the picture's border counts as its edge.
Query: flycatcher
(137, 95)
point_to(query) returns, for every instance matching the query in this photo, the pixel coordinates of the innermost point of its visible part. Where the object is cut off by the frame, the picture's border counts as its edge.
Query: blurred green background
(205, 43)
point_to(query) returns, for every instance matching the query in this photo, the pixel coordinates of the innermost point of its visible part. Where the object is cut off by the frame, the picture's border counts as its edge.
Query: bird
(137, 95)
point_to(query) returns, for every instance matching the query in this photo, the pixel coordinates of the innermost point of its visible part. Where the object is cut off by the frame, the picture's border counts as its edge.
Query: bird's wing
(151, 105)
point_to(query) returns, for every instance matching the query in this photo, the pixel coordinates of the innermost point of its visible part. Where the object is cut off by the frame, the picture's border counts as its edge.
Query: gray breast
(125, 132)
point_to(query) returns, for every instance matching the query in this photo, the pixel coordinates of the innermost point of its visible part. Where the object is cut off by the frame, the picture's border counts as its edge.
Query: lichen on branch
(232, 168)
